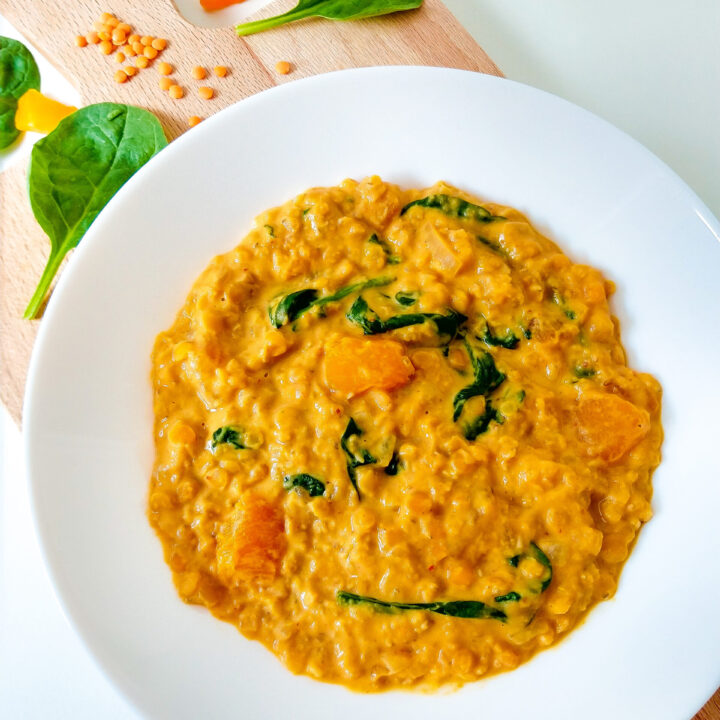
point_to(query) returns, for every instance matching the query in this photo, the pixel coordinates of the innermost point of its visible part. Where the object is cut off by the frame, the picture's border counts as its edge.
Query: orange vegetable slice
(211, 5)
(609, 425)
(354, 365)
(250, 548)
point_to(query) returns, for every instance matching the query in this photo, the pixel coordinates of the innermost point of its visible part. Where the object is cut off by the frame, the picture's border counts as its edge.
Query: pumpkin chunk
(354, 365)
(609, 425)
(250, 547)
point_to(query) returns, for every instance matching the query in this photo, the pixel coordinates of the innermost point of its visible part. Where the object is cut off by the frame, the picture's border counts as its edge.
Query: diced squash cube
(610, 425)
(251, 546)
(354, 365)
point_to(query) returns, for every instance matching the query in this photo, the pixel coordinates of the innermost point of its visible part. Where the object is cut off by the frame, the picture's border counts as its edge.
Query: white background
(651, 67)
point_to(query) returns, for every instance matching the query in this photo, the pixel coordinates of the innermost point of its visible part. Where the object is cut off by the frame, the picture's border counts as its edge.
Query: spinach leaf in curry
(366, 318)
(471, 609)
(229, 435)
(288, 308)
(454, 207)
(78, 167)
(355, 459)
(309, 483)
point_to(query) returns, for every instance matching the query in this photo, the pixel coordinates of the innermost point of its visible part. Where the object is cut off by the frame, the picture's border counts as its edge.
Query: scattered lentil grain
(141, 62)
(205, 93)
(159, 44)
(176, 92)
(194, 120)
(199, 73)
(106, 47)
(150, 52)
(165, 83)
(220, 70)
(164, 68)
(120, 76)
(283, 67)
(81, 41)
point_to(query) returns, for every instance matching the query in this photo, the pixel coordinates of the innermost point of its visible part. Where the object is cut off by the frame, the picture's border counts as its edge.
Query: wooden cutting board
(428, 36)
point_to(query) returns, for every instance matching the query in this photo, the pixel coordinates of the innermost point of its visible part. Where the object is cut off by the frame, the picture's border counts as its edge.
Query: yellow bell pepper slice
(38, 113)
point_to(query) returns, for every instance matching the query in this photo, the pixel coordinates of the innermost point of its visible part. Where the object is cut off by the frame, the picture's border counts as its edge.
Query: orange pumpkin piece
(250, 548)
(354, 365)
(609, 425)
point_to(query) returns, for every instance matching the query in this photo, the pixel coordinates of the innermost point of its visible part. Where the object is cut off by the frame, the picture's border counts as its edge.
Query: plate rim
(32, 405)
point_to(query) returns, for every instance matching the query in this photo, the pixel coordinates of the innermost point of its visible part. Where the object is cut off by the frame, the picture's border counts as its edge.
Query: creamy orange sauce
(370, 402)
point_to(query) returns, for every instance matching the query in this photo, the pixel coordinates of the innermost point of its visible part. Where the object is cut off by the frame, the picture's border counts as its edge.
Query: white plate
(653, 651)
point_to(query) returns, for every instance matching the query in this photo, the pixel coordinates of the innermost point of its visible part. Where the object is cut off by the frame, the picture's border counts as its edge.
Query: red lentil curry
(397, 440)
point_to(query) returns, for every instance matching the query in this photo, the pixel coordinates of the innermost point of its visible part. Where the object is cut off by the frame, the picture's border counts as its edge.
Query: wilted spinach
(288, 308)
(363, 315)
(355, 460)
(310, 483)
(473, 609)
(454, 207)
(229, 435)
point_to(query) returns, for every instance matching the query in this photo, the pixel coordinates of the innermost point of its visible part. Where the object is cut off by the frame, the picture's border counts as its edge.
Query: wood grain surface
(428, 36)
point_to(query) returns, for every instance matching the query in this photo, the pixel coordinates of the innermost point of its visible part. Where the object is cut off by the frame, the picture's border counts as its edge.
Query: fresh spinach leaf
(391, 258)
(406, 298)
(311, 484)
(291, 306)
(583, 372)
(229, 435)
(18, 74)
(354, 461)
(472, 609)
(454, 207)
(364, 316)
(330, 10)
(512, 596)
(78, 167)
(270, 230)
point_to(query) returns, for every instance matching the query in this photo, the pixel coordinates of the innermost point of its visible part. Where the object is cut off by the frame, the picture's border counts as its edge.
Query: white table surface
(651, 67)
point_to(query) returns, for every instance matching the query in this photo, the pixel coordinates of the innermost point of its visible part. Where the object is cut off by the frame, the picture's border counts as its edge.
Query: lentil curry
(397, 438)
